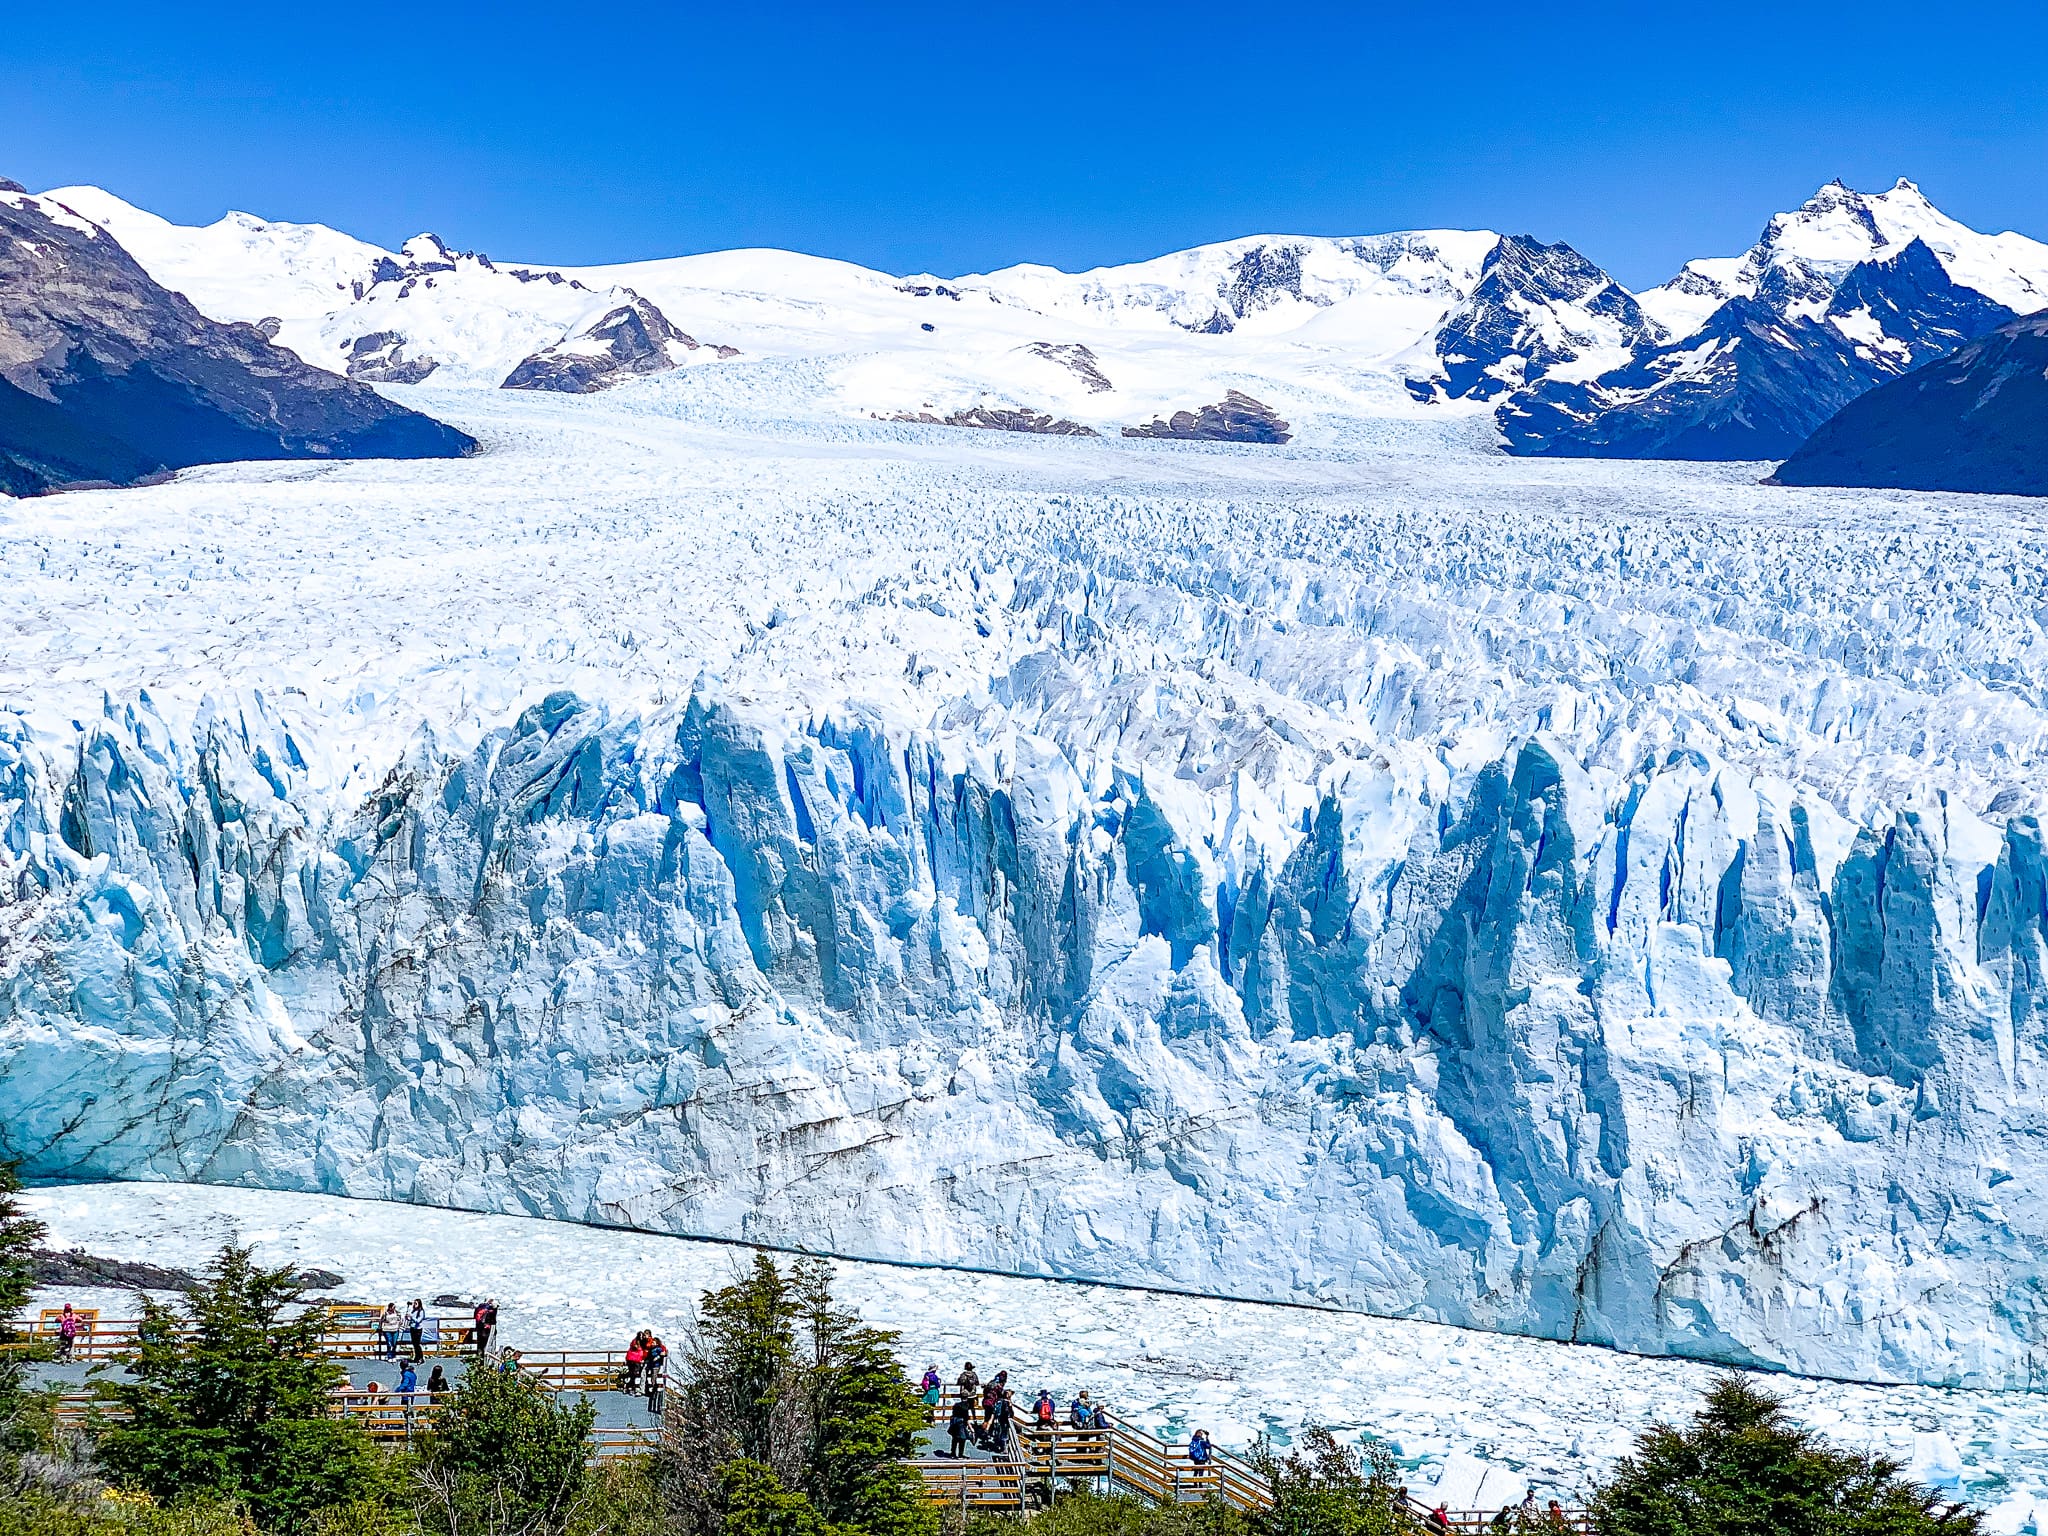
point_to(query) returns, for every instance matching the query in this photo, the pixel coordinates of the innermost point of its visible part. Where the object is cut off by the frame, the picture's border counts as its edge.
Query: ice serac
(1684, 1062)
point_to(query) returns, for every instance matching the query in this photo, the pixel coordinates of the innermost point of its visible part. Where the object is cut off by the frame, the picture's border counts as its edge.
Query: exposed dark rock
(270, 325)
(1532, 309)
(1976, 420)
(1758, 378)
(76, 1267)
(1071, 354)
(1001, 419)
(928, 290)
(627, 342)
(317, 1279)
(1238, 419)
(379, 358)
(106, 377)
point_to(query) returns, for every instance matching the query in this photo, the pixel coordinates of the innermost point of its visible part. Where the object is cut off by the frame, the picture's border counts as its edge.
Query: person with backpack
(1081, 1413)
(68, 1326)
(1200, 1451)
(961, 1425)
(1044, 1411)
(486, 1320)
(929, 1390)
(968, 1387)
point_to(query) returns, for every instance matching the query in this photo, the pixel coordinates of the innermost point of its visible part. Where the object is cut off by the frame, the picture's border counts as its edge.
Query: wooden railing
(347, 1335)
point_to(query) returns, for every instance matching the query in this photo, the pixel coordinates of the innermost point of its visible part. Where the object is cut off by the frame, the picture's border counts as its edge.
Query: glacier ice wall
(1677, 1060)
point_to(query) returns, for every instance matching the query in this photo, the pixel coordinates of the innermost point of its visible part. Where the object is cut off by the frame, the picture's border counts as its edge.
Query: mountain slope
(1976, 420)
(1764, 369)
(108, 377)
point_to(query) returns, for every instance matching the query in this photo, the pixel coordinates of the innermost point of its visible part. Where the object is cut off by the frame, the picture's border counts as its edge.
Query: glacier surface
(1601, 901)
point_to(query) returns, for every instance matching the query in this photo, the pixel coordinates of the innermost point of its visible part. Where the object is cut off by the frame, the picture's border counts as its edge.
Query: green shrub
(120, 1513)
(1324, 1488)
(1743, 1469)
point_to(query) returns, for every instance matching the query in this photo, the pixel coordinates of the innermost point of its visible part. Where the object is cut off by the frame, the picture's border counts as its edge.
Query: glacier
(1597, 901)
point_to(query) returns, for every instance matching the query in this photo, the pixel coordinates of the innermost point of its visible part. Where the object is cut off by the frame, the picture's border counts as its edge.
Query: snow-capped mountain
(108, 377)
(424, 312)
(1835, 298)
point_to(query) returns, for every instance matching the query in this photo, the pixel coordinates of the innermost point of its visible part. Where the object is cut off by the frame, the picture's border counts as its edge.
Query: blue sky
(958, 138)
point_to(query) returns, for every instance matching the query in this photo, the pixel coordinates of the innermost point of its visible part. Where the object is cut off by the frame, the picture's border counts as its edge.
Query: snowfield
(1480, 1418)
(1595, 900)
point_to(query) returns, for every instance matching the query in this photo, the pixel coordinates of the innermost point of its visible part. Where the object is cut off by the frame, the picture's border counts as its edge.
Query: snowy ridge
(1328, 332)
(1597, 901)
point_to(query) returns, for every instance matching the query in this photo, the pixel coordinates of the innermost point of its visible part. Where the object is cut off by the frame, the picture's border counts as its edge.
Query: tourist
(1440, 1520)
(416, 1327)
(1199, 1448)
(930, 1389)
(408, 1392)
(962, 1423)
(1502, 1522)
(68, 1325)
(1044, 1411)
(968, 1384)
(1102, 1416)
(438, 1382)
(636, 1357)
(389, 1326)
(1081, 1414)
(655, 1365)
(995, 1434)
(1555, 1515)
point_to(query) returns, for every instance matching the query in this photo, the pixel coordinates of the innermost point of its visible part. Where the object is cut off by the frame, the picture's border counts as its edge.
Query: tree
(809, 1398)
(862, 1417)
(506, 1455)
(230, 1398)
(1742, 1468)
(1324, 1488)
(20, 1235)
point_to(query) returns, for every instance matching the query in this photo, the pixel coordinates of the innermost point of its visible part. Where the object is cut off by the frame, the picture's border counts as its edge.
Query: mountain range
(1735, 358)
(107, 377)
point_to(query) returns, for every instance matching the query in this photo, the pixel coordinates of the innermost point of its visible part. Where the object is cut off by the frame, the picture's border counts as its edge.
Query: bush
(1087, 1514)
(1324, 1488)
(116, 1513)
(1743, 1469)
(230, 1401)
(505, 1455)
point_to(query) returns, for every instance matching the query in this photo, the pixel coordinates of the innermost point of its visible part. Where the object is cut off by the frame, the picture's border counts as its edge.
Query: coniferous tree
(795, 1413)
(1742, 1468)
(506, 1454)
(20, 1235)
(228, 1395)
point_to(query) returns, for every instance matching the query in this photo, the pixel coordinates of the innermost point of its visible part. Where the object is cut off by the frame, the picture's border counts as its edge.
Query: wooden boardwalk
(1037, 1460)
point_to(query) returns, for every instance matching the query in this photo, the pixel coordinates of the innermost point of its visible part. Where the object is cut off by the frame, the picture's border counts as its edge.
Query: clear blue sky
(958, 138)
